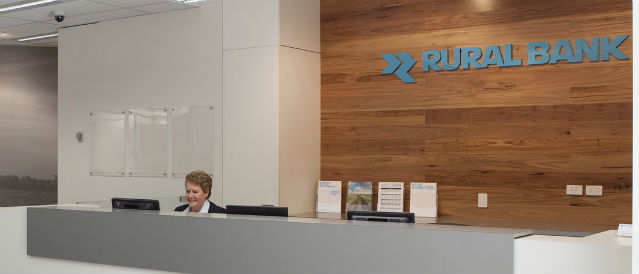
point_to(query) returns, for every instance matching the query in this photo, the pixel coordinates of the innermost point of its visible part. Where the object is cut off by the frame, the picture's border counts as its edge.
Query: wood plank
(375, 18)
(518, 33)
(612, 182)
(520, 134)
(541, 85)
(375, 118)
(565, 214)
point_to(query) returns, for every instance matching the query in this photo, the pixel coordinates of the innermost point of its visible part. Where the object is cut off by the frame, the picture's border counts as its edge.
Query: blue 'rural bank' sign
(600, 49)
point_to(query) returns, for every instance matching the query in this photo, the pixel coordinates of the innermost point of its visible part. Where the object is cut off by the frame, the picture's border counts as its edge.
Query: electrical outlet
(577, 190)
(594, 190)
(482, 200)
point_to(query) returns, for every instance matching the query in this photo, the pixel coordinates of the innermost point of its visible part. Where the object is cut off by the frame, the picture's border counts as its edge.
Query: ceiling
(38, 20)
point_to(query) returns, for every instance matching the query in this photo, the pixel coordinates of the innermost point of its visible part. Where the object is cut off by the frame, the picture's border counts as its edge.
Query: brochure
(423, 199)
(390, 196)
(329, 196)
(359, 196)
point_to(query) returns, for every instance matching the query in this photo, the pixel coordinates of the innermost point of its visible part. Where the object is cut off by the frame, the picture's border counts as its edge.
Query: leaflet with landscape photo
(329, 196)
(423, 199)
(390, 196)
(359, 196)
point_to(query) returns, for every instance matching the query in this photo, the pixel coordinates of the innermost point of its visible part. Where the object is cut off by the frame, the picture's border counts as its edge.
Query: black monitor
(379, 216)
(257, 210)
(140, 204)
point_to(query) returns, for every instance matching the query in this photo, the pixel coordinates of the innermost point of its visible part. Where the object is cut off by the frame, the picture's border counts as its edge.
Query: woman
(198, 186)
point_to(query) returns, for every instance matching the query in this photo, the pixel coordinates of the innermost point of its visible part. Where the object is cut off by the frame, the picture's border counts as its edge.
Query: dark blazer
(213, 208)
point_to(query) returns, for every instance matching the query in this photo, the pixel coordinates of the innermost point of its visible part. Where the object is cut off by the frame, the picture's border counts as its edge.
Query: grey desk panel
(215, 244)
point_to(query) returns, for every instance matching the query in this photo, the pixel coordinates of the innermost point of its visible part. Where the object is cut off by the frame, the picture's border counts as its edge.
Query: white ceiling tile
(29, 30)
(162, 7)
(129, 3)
(71, 8)
(97, 17)
(38, 20)
(9, 2)
(10, 22)
(7, 42)
(8, 37)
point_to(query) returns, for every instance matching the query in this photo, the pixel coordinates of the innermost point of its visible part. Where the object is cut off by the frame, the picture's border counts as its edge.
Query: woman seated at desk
(198, 186)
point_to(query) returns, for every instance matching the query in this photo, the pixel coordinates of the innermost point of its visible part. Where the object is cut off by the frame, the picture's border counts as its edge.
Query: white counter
(598, 253)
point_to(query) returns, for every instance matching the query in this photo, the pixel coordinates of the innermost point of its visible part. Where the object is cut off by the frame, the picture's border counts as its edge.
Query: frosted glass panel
(107, 143)
(192, 138)
(148, 149)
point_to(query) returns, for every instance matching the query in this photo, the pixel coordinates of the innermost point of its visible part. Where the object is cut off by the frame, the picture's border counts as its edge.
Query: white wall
(300, 125)
(271, 102)
(251, 91)
(166, 59)
(300, 119)
(300, 24)
(251, 23)
(251, 127)
(225, 53)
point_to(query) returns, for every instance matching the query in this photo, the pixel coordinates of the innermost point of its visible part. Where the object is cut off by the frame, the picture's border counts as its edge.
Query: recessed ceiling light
(26, 5)
(38, 37)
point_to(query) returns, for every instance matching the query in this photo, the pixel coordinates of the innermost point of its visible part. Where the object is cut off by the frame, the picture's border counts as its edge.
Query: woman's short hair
(202, 179)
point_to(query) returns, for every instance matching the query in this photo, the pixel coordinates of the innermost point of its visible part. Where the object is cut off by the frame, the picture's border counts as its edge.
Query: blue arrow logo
(401, 71)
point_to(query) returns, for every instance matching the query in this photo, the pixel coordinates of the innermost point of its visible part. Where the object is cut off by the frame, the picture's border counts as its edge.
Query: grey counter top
(421, 223)
(220, 243)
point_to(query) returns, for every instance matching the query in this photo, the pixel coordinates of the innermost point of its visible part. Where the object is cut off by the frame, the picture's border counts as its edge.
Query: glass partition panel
(148, 143)
(192, 139)
(107, 143)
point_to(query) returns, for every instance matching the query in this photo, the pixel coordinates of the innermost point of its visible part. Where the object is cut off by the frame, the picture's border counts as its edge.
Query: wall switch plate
(594, 190)
(482, 200)
(577, 190)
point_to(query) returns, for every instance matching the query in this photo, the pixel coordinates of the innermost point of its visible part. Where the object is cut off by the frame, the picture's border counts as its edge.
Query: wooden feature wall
(520, 134)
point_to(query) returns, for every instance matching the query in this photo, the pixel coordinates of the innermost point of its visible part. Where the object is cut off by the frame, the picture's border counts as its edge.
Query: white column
(271, 102)
(251, 92)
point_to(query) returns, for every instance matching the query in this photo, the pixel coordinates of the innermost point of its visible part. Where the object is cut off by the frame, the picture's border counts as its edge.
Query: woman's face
(195, 196)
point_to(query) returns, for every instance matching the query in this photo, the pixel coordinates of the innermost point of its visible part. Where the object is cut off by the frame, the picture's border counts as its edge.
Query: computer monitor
(140, 204)
(257, 210)
(380, 216)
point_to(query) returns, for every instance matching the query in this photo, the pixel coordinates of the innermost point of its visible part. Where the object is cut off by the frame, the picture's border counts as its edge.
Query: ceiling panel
(71, 8)
(129, 3)
(8, 2)
(98, 17)
(7, 42)
(39, 20)
(10, 22)
(162, 7)
(29, 30)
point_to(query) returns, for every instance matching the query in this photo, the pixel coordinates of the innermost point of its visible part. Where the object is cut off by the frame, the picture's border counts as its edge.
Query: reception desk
(219, 243)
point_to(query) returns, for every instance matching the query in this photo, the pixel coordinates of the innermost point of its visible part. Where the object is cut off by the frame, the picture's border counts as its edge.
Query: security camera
(58, 15)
